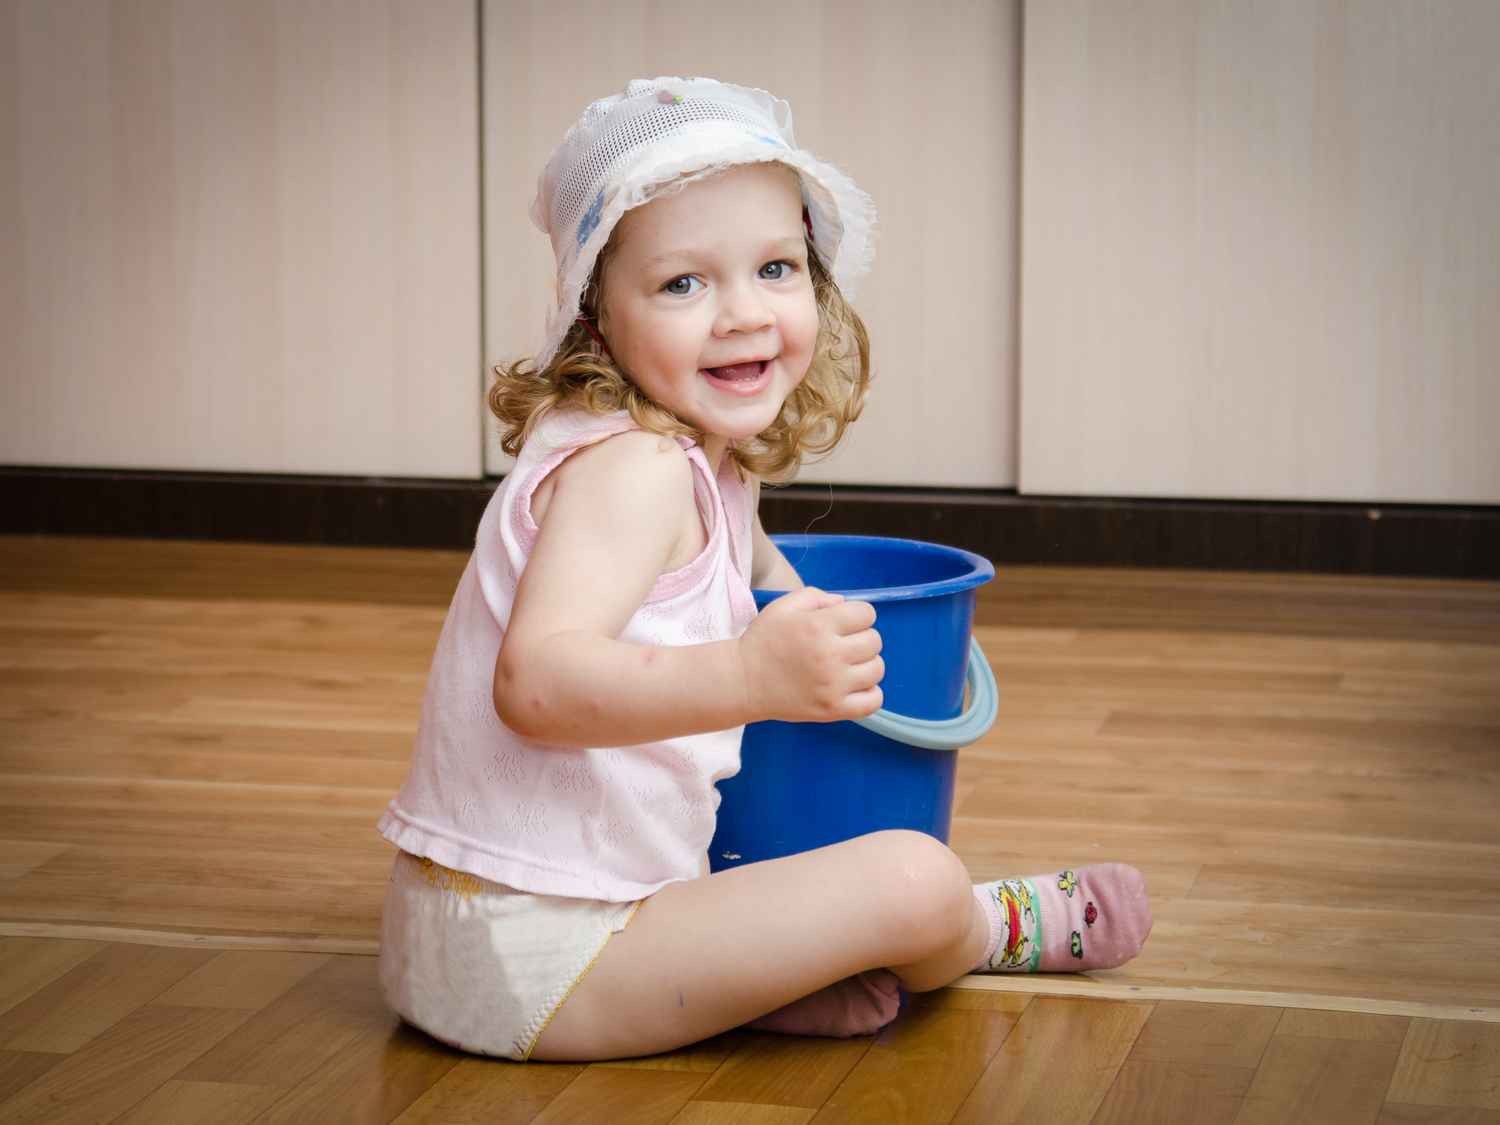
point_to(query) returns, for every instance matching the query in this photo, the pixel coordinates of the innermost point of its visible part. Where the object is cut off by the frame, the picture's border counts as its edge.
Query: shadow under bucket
(806, 785)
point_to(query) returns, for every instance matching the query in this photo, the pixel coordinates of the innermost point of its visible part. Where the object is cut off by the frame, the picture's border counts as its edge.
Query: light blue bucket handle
(947, 734)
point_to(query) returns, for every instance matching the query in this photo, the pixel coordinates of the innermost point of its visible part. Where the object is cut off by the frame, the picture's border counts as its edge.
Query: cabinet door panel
(240, 235)
(1261, 249)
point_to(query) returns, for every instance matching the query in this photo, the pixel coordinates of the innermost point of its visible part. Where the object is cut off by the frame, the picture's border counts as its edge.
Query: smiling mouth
(738, 372)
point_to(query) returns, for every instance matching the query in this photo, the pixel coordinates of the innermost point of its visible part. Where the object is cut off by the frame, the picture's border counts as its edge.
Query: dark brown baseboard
(243, 508)
(1416, 540)
(1403, 540)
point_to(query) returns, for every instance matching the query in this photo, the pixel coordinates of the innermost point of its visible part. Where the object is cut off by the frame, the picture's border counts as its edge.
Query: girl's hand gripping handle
(811, 656)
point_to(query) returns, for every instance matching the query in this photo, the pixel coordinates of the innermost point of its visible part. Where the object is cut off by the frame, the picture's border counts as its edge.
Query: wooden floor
(195, 741)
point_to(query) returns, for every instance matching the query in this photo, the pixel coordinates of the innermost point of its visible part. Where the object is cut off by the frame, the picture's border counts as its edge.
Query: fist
(811, 656)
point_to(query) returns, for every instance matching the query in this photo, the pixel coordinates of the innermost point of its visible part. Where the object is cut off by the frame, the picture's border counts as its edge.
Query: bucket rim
(980, 571)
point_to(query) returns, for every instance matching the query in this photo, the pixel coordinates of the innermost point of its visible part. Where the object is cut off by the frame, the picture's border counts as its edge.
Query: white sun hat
(659, 134)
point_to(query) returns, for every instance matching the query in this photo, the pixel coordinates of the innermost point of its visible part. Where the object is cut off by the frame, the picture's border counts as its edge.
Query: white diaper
(479, 965)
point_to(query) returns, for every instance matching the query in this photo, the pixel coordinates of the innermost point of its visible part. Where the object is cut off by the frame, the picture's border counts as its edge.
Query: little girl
(552, 898)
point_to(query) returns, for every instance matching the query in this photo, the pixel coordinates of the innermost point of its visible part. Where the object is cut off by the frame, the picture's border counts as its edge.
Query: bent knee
(924, 887)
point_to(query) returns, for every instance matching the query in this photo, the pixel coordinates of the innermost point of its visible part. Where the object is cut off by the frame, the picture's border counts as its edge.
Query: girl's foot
(1093, 918)
(859, 1005)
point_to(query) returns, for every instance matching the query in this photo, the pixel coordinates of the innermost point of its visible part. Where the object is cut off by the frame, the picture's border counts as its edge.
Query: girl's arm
(769, 569)
(620, 514)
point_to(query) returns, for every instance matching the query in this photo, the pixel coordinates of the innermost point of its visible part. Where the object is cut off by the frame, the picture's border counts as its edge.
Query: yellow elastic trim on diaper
(532, 1045)
(461, 883)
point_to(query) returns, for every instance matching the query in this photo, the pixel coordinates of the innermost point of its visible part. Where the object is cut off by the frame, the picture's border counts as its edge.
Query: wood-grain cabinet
(1260, 249)
(240, 236)
(1127, 247)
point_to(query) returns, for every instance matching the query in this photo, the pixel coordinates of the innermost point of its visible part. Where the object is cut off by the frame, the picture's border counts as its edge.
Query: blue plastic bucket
(805, 785)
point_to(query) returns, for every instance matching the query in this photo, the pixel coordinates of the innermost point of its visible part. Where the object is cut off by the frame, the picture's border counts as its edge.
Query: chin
(748, 428)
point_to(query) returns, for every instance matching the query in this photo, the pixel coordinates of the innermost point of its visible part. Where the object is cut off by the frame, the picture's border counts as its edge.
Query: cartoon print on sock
(1091, 914)
(1017, 905)
(1077, 944)
(1066, 882)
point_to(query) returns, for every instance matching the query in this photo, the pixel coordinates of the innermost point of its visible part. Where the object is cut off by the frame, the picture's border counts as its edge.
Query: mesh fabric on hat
(658, 135)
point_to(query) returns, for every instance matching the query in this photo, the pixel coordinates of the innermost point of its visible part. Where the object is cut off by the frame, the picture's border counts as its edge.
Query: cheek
(645, 332)
(628, 332)
(801, 330)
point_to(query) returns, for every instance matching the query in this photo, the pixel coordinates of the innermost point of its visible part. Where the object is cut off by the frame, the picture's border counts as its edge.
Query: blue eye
(775, 271)
(682, 286)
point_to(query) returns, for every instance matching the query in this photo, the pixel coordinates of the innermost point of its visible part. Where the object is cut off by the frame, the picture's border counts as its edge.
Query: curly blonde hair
(812, 421)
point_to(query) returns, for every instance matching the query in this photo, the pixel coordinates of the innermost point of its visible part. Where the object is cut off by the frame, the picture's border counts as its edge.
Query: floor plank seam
(174, 940)
(1087, 988)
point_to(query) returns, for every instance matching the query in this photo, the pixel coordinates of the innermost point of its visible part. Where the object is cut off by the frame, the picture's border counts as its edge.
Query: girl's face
(707, 302)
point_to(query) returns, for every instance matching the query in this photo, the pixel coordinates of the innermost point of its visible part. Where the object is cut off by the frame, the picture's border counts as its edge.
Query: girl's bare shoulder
(629, 471)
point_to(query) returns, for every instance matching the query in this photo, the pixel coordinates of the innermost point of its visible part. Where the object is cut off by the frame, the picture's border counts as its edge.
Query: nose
(743, 308)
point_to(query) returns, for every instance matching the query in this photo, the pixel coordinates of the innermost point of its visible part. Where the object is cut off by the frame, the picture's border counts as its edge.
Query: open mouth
(738, 372)
(740, 378)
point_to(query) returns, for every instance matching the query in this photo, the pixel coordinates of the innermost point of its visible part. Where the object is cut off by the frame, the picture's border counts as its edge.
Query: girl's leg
(704, 956)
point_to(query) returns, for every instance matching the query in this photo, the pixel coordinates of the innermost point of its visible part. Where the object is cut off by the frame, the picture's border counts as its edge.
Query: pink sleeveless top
(614, 823)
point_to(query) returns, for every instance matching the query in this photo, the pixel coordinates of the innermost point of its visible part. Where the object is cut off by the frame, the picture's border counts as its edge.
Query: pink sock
(1093, 918)
(859, 1005)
